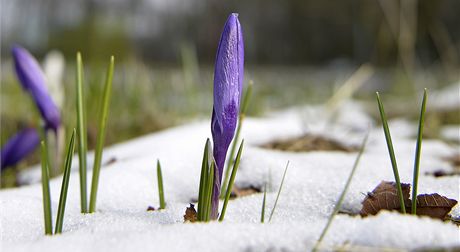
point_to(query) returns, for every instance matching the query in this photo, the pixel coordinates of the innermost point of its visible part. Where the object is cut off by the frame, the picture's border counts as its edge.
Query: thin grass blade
(208, 193)
(244, 108)
(65, 184)
(262, 215)
(342, 195)
(418, 151)
(161, 193)
(231, 181)
(203, 185)
(279, 192)
(391, 152)
(46, 190)
(81, 128)
(101, 135)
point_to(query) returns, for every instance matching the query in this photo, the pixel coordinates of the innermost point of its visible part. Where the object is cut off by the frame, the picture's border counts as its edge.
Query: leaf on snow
(190, 214)
(434, 205)
(384, 196)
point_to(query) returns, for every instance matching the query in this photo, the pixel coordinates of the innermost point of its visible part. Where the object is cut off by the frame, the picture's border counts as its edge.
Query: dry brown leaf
(384, 196)
(150, 208)
(190, 214)
(434, 205)
(244, 191)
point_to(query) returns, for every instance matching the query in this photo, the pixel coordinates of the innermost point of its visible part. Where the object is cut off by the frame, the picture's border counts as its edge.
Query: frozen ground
(313, 183)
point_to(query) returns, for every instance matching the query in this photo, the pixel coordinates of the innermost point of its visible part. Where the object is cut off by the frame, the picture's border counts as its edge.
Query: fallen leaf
(190, 214)
(150, 208)
(434, 205)
(385, 196)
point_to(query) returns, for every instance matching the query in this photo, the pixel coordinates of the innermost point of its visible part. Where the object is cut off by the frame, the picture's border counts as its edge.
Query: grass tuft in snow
(338, 205)
(101, 135)
(262, 214)
(232, 180)
(418, 150)
(65, 184)
(161, 193)
(391, 152)
(46, 189)
(206, 184)
(244, 108)
(82, 134)
(279, 192)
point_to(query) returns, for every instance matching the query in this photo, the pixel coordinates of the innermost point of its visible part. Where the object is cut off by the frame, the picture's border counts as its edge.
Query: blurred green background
(296, 52)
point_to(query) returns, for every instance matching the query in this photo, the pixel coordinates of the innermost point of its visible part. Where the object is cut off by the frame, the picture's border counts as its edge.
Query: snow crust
(313, 184)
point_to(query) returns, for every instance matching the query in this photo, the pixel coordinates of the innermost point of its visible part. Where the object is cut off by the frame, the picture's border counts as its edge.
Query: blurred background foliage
(297, 52)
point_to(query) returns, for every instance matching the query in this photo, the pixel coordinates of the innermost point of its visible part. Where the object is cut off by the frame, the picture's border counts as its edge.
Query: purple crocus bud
(228, 84)
(32, 80)
(19, 146)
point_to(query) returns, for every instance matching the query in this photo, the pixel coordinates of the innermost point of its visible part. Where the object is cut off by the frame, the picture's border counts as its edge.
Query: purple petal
(18, 147)
(228, 83)
(32, 80)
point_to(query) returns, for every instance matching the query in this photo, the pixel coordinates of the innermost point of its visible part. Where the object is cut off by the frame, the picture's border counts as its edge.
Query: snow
(313, 183)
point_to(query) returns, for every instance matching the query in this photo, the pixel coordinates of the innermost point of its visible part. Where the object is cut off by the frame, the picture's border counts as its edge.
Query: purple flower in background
(18, 147)
(228, 83)
(32, 80)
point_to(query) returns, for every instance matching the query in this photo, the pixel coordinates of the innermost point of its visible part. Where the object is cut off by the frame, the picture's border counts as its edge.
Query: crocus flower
(18, 147)
(32, 80)
(228, 83)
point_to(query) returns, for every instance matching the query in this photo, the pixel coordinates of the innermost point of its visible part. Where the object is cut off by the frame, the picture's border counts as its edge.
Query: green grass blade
(161, 193)
(65, 184)
(262, 215)
(101, 136)
(231, 181)
(279, 192)
(418, 150)
(203, 185)
(391, 152)
(342, 195)
(208, 193)
(244, 107)
(81, 128)
(46, 190)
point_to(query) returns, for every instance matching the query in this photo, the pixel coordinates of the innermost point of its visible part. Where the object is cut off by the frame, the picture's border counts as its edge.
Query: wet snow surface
(313, 183)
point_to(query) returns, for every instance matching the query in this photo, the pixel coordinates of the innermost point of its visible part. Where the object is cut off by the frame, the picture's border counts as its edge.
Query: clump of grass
(242, 116)
(206, 183)
(101, 135)
(161, 193)
(338, 205)
(279, 192)
(417, 153)
(231, 181)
